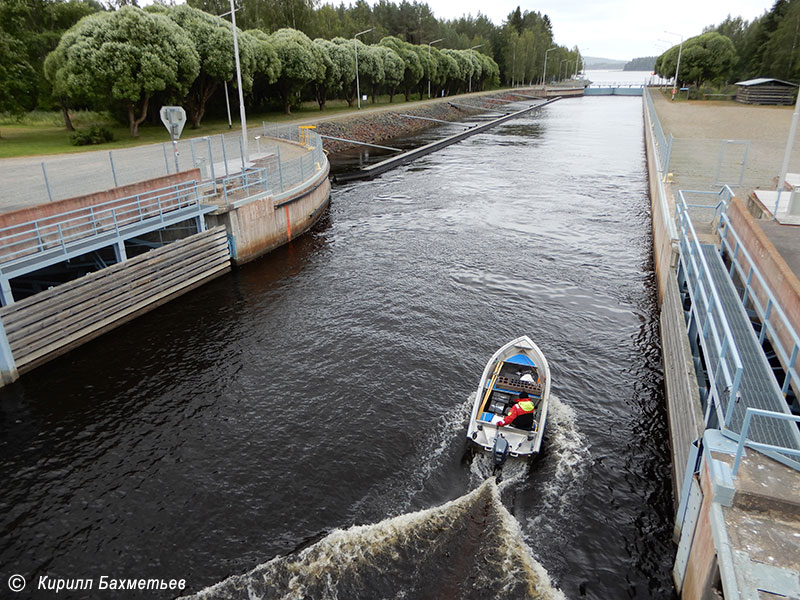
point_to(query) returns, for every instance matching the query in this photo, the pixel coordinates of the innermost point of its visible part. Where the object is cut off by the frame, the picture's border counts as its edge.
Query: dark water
(329, 384)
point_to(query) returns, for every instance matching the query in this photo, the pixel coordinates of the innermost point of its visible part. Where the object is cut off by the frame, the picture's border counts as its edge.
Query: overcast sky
(619, 29)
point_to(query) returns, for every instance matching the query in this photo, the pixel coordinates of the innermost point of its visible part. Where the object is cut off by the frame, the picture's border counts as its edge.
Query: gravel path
(712, 139)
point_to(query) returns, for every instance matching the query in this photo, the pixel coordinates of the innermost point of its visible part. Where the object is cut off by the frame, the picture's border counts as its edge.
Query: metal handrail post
(166, 160)
(751, 412)
(280, 166)
(788, 377)
(113, 170)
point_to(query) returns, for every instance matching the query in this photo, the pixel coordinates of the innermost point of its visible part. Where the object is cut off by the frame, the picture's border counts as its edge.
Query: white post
(788, 153)
(471, 65)
(677, 66)
(239, 83)
(429, 60)
(544, 71)
(355, 48)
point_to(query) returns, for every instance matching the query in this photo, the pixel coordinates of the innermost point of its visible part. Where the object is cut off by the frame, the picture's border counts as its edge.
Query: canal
(329, 384)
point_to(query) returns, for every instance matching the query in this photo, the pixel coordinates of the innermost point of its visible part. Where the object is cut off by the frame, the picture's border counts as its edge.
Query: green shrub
(96, 134)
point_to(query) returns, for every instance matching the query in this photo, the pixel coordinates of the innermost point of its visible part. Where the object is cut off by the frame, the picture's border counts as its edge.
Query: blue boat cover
(521, 359)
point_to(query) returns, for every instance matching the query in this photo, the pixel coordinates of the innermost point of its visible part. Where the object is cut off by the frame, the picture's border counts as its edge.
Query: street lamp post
(678, 66)
(245, 155)
(429, 62)
(470, 60)
(355, 47)
(544, 71)
(563, 60)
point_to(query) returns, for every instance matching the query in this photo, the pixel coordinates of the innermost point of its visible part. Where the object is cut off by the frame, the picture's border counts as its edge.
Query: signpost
(174, 118)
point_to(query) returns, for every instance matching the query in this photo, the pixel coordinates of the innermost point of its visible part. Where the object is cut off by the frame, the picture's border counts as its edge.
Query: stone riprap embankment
(381, 125)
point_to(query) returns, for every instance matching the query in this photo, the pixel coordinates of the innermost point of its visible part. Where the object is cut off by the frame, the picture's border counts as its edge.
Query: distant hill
(594, 62)
(643, 63)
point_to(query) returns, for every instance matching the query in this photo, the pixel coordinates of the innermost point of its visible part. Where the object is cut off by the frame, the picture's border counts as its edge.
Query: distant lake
(606, 77)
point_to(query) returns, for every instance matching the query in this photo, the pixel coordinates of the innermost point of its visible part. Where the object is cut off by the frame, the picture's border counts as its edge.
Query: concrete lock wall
(264, 223)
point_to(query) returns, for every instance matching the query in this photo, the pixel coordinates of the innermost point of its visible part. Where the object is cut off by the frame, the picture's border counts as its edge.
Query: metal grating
(758, 388)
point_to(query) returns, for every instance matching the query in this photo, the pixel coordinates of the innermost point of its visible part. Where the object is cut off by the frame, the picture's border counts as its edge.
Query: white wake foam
(568, 450)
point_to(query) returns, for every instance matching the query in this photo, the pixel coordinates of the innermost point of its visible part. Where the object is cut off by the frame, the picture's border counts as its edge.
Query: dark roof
(763, 80)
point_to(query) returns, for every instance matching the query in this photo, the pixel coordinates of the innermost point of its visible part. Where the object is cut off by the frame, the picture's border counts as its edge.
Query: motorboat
(517, 367)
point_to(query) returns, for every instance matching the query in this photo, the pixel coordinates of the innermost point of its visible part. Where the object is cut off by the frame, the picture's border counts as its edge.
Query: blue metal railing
(776, 452)
(774, 322)
(65, 228)
(712, 326)
(663, 146)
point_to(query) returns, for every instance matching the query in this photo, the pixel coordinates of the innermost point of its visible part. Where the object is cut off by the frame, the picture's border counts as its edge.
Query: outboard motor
(500, 450)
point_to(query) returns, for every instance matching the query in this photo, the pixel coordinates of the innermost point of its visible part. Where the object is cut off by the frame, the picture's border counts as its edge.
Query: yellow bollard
(303, 133)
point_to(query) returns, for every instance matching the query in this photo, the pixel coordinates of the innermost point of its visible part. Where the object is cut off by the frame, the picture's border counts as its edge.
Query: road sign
(174, 118)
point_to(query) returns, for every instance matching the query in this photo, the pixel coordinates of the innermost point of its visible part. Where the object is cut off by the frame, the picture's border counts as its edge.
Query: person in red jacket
(521, 415)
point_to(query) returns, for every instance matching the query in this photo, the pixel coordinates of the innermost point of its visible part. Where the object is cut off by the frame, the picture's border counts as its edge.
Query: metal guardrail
(62, 229)
(712, 325)
(663, 146)
(57, 231)
(69, 176)
(774, 322)
(661, 156)
(743, 441)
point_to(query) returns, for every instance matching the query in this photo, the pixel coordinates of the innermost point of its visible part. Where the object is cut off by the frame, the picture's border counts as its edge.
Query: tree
(124, 57)
(706, 57)
(370, 69)
(300, 63)
(447, 69)
(393, 70)
(266, 65)
(348, 57)
(213, 40)
(17, 77)
(332, 80)
(29, 31)
(412, 67)
(781, 58)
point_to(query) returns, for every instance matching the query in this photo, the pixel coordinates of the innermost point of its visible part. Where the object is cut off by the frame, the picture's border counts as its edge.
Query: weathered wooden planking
(18, 314)
(66, 323)
(77, 299)
(83, 335)
(60, 319)
(64, 317)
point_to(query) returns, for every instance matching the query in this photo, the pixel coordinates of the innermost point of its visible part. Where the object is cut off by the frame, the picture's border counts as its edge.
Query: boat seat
(516, 385)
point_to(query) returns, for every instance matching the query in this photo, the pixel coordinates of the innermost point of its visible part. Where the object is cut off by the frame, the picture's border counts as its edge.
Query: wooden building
(766, 91)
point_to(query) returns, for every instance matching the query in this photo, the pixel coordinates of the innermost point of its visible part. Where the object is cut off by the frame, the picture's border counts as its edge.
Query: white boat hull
(516, 367)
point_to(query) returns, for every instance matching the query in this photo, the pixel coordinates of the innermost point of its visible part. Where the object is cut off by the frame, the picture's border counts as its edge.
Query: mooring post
(8, 368)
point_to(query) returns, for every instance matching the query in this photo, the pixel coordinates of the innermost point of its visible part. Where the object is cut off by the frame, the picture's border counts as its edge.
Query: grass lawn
(44, 133)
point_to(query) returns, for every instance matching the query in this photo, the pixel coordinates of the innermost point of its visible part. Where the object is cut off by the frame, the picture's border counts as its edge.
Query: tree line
(736, 50)
(71, 54)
